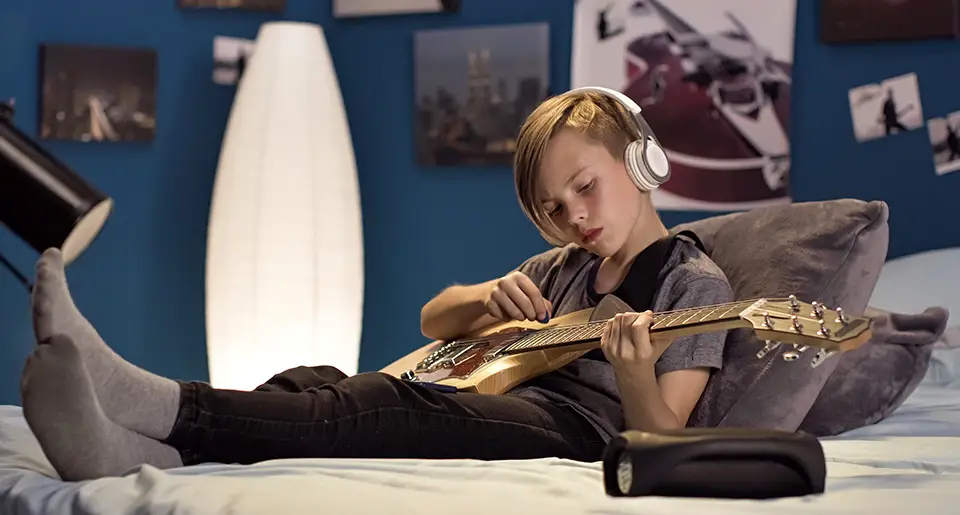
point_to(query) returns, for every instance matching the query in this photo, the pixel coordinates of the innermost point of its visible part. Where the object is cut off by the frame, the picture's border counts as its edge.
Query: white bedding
(908, 463)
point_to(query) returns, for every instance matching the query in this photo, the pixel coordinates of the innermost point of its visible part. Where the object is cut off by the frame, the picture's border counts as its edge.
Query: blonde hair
(595, 115)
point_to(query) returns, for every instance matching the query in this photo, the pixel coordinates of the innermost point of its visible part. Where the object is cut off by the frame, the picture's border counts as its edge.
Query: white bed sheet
(909, 462)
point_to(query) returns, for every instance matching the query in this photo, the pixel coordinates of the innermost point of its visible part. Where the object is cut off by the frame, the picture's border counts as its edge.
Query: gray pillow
(870, 382)
(827, 251)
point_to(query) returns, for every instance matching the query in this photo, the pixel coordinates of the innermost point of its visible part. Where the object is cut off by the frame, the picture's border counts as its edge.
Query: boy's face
(588, 194)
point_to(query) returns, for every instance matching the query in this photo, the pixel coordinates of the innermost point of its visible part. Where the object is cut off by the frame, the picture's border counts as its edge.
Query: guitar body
(476, 362)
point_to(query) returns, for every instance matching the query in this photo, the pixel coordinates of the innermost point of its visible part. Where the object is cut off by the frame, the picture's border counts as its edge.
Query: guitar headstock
(790, 320)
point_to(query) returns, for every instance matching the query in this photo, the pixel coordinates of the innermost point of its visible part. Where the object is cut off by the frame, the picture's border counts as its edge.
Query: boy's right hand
(515, 297)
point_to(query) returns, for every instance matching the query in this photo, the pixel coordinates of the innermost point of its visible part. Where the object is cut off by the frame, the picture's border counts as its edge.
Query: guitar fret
(734, 308)
(681, 318)
(584, 333)
(558, 336)
(706, 317)
(673, 317)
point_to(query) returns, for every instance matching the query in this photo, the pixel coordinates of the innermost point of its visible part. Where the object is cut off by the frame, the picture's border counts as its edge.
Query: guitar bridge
(454, 359)
(449, 354)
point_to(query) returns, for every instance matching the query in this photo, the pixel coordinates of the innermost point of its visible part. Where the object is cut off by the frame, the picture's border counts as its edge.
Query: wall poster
(714, 82)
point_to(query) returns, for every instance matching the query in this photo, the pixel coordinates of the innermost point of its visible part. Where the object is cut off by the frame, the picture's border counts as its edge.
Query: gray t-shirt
(565, 276)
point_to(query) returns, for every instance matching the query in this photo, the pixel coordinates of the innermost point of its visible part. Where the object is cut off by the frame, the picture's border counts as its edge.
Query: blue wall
(142, 283)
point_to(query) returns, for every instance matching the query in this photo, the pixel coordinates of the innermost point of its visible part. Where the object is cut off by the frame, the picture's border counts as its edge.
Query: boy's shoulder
(688, 262)
(690, 272)
(564, 257)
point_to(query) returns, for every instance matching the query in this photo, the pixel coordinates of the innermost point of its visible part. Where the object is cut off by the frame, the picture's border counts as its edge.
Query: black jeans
(319, 412)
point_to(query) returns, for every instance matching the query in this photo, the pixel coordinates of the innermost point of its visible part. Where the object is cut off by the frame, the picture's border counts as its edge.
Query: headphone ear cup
(642, 178)
(657, 164)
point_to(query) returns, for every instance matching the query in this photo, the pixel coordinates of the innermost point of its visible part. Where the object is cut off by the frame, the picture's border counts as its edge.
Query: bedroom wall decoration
(890, 107)
(97, 93)
(714, 78)
(859, 21)
(230, 58)
(247, 5)
(944, 132)
(473, 88)
(357, 8)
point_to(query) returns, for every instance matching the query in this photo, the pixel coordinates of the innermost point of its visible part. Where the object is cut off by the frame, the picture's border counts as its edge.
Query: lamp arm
(13, 270)
(6, 113)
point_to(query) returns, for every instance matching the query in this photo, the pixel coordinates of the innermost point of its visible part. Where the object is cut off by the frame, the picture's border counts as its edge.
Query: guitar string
(587, 331)
(662, 315)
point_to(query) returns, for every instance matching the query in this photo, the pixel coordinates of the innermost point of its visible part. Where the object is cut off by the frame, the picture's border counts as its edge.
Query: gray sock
(77, 437)
(130, 396)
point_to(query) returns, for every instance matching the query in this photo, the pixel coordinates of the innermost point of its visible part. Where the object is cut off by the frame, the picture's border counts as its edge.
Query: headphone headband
(625, 100)
(646, 161)
(644, 131)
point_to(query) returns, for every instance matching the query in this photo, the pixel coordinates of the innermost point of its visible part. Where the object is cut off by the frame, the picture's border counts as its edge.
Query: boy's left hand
(627, 344)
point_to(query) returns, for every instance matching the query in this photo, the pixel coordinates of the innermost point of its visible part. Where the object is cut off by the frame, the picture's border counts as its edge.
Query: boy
(97, 415)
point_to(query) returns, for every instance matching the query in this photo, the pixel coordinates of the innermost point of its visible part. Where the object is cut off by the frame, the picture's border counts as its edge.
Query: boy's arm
(459, 309)
(664, 395)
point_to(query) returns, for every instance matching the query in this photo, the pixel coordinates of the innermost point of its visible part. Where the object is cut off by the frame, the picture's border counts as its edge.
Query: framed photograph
(857, 21)
(474, 87)
(890, 107)
(356, 8)
(248, 5)
(94, 93)
(230, 57)
(945, 142)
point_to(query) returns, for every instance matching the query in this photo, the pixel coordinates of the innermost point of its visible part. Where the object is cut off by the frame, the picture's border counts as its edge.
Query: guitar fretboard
(663, 321)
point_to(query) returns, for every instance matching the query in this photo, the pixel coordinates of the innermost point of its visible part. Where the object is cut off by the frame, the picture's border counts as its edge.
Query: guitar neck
(667, 324)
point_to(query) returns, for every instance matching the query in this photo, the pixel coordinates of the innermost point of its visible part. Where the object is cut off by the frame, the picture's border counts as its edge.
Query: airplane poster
(713, 80)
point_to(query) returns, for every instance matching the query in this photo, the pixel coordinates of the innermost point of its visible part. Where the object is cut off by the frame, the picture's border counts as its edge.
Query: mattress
(908, 462)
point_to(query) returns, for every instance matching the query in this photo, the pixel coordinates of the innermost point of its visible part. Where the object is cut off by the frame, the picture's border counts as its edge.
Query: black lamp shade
(43, 201)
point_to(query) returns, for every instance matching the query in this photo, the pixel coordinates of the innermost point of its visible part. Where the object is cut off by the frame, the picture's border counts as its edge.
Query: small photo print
(474, 87)
(98, 93)
(945, 142)
(230, 58)
(859, 21)
(888, 108)
(352, 8)
(249, 5)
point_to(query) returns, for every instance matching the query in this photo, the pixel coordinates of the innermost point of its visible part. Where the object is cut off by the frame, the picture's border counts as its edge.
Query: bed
(909, 462)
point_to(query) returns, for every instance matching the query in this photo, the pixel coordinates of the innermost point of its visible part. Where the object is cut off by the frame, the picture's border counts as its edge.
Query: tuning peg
(767, 348)
(820, 357)
(817, 309)
(794, 303)
(842, 316)
(794, 354)
(797, 326)
(824, 330)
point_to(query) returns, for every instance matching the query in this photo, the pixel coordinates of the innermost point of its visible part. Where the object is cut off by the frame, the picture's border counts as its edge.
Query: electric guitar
(498, 358)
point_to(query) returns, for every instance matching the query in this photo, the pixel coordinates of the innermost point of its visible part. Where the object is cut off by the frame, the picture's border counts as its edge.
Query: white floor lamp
(284, 276)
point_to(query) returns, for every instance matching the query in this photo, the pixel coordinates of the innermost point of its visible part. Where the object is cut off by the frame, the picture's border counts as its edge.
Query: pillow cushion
(826, 251)
(870, 382)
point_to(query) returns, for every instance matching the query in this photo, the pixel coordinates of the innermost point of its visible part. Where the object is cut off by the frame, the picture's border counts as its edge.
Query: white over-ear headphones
(646, 162)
